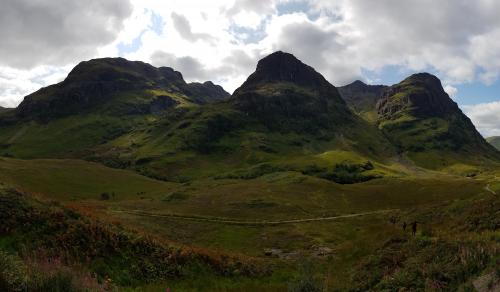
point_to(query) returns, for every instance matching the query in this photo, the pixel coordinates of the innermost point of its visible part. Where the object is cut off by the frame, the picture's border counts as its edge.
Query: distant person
(414, 228)
(404, 226)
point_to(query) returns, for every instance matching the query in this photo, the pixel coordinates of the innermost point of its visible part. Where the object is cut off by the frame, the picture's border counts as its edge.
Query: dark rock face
(94, 82)
(418, 115)
(284, 93)
(361, 97)
(420, 95)
(206, 92)
(284, 67)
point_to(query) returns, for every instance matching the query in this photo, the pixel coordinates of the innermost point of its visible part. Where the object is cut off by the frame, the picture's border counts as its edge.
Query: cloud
(229, 72)
(15, 83)
(47, 32)
(452, 91)
(317, 43)
(221, 40)
(485, 117)
(183, 27)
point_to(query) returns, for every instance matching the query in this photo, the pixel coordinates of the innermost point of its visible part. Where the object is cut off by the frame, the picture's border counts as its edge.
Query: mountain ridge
(153, 122)
(94, 82)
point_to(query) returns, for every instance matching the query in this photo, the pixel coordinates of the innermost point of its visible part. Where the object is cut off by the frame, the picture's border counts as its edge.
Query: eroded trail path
(488, 189)
(244, 222)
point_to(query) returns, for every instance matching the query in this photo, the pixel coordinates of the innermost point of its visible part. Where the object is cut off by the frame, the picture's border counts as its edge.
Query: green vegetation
(52, 237)
(124, 177)
(495, 141)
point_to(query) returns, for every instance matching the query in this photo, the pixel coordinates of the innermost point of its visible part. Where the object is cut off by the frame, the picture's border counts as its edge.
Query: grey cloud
(57, 32)
(319, 48)
(485, 117)
(260, 6)
(236, 64)
(421, 33)
(183, 27)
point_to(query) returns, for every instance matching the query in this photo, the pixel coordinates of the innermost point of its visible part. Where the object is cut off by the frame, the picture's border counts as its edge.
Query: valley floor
(284, 229)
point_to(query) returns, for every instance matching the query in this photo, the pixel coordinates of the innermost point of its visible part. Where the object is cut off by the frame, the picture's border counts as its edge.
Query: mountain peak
(111, 69)
(421, 95)
(284, 67)
(358, 83)
(425, 79)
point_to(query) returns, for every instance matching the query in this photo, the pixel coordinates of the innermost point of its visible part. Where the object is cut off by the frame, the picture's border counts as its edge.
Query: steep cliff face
(420, 95)
(417, 115)
(286, 94)
(97, 82)
(360, 96)
(206, 92)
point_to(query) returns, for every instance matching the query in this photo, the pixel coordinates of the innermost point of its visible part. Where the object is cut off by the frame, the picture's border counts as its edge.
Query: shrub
(13, 273)
(105, 196)
(306, 281)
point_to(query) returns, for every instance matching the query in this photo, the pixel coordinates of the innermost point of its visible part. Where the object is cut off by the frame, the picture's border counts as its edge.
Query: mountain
(285, 113)
(285, 94)
(362, 98)
(99, 101)
(133, 115)
(284, 117)
(129, 87)
(420, 118)
(495, 141)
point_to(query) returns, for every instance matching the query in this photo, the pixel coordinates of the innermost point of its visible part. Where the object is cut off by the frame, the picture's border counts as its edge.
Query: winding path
(487, 188)
(242, 222)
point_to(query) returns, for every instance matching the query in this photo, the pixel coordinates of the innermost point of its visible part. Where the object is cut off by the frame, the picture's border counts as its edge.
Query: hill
(362, 98)
(116, 86)
(132, 115)
(495, 141)
(100, 100)
(421, 119)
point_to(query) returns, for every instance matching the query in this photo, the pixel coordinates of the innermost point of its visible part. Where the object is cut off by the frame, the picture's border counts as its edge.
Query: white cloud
(486, 117)
(15, 83)
(222, 40)
(452, 91)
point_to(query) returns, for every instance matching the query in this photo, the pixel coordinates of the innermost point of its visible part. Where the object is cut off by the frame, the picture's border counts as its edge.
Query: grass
(51, 238)
(280, 195)
(69, 180)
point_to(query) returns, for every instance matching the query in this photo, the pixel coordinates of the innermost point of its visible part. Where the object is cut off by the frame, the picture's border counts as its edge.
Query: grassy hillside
(342, 250)
(126, 177)
(422, 121)
(52, 248)
(269, 125)
(495, 141)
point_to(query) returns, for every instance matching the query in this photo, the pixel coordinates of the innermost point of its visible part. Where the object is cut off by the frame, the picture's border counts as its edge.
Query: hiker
(414, 228)
(404, 226)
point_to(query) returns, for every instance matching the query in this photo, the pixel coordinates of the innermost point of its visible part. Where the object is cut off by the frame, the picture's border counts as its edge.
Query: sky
(378, 42)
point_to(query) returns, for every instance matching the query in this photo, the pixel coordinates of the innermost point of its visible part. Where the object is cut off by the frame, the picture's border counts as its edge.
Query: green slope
(425, 124)
(270, 122)
(495, 141)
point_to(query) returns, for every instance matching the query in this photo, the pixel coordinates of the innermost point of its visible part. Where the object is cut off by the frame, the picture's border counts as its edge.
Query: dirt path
(487, 188)
(241, 222)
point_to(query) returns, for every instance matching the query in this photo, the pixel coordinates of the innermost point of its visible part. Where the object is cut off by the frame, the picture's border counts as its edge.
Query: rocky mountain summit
(420, 95)
(283, 92)
(100, 81)
(418, 115)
